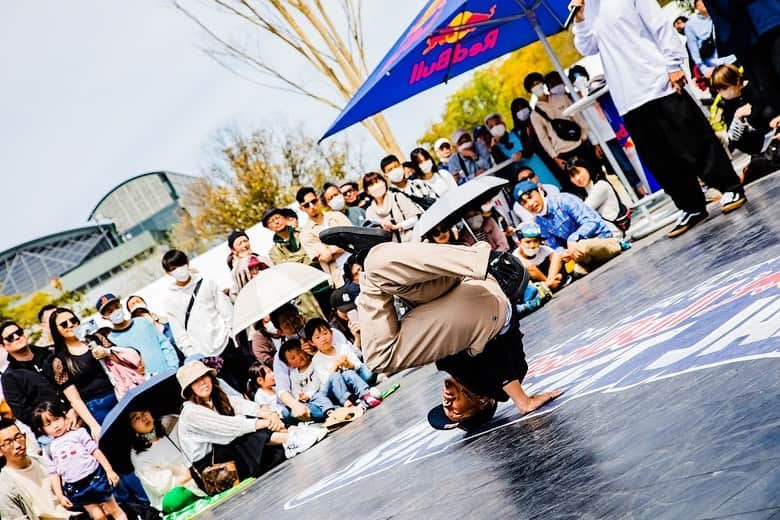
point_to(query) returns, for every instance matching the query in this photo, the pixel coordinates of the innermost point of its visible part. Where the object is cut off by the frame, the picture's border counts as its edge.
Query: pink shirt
(70, 456)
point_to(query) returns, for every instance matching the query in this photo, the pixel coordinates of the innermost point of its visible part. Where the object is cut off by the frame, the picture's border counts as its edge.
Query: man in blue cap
(570, 227)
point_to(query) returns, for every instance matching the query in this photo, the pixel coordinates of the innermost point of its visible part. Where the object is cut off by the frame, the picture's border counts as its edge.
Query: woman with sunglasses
(443, 234)
(77, 371)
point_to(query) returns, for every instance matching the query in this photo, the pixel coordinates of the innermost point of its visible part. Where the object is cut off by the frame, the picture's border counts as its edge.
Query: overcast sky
(95, 92)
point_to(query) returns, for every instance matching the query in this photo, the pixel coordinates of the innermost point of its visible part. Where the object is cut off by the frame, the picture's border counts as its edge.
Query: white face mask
(530, 251)
(498, 131)
(465, 146)
(181, 274)
(117, 317)
(730, 93)
(396, 175)
(337, 203)
(426, 166)
(581, 84)
(557, 90)
(523, 114)
(538, 90)
(475, 222)
(377, 190)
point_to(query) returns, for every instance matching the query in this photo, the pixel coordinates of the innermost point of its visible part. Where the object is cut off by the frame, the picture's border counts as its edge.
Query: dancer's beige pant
(456, 307)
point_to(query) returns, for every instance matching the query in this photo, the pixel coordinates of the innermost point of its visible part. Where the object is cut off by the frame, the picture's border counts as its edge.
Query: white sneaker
(731, 200)
(375, 392)
(302, 437)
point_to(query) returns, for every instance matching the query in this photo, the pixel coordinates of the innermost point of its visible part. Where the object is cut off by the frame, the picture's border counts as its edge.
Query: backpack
(707, 46)
(566, 129)
(623, 219)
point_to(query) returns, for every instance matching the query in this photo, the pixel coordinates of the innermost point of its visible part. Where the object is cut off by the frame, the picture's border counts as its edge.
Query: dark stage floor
(670, 356)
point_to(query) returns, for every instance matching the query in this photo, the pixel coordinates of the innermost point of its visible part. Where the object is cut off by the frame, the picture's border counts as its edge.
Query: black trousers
(235, 366)
(762, 64)
(676, 142)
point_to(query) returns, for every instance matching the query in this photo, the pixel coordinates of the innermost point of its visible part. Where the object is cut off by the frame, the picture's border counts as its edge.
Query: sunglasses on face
(445, 146)
(16, 439)
(348, 191)
(310, 203)
(71, 321)
(18, 333)
(526, 178)
(439, 232)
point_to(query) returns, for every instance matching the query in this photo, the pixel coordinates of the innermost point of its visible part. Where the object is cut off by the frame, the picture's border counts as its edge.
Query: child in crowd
(542, 262)
(333, 356)
(81, 476)
(304, 383)
(261, 388)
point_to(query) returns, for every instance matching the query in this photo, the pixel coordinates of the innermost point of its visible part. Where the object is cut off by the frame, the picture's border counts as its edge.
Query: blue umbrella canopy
(448, 38)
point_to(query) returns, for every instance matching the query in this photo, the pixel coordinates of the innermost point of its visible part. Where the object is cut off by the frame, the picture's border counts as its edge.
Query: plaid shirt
(568, 219)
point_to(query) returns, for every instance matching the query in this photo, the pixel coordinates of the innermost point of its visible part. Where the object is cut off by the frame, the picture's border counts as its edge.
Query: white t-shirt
(323, 363)
(543, 254)
(306, 381)
(271, 400)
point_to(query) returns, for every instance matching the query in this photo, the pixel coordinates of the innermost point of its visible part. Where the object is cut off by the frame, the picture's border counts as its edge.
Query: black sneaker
(509, 273)
(353, 238)
(686, 221)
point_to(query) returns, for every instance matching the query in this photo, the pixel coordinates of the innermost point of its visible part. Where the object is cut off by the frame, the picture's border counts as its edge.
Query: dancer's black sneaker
(353, 238)
(686, 221)
(509, 273)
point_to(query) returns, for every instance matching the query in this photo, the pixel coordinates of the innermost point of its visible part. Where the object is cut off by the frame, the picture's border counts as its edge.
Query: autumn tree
(252, 172)
(325, 37)
(494, 86)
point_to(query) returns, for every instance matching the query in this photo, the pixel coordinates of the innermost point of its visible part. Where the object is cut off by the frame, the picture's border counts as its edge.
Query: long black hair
(521, 127)
(419, 155)
(138, 442)
(218, 397)
(60, 346)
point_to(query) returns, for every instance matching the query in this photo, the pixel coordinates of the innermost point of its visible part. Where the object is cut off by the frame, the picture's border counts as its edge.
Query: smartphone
(353, 316)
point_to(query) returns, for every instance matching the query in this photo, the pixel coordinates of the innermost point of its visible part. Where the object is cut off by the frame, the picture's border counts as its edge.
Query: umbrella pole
(531, 15)
(466, 225)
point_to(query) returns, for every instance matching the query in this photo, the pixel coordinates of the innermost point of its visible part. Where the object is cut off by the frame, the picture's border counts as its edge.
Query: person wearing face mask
(442, 147)
(551, 102)
(521, 120)
(543, 264)
(201, 318)
(401, 179)
(483, 229)
(138, 333)
(332, 197)
(393, 211)
(440, 181)
(509, 145)
(472, 159)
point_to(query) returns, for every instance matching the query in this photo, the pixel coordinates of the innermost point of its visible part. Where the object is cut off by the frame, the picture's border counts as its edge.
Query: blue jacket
(739, 23)
(568, 219)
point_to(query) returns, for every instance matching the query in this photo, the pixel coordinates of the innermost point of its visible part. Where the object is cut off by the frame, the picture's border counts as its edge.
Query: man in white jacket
(643, 63)
(201, 317)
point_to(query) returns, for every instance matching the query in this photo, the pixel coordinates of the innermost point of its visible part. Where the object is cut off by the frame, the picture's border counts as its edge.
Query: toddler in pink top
(80, 473)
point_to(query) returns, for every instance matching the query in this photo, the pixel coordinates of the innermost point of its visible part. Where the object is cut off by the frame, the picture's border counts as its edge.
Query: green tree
(494, 86)
(251, 173)
(25, 311)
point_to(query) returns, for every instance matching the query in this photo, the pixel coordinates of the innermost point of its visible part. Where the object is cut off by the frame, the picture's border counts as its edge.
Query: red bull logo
(425, 24)
(457, 29)
(452, 37)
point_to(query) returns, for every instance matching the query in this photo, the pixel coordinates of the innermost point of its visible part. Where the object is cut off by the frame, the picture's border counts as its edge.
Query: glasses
(310, 203)
(348, 191)
(526, 178)
(18, 333)
(444, 146)
(72, 322)
(16, 439)
(439, 232)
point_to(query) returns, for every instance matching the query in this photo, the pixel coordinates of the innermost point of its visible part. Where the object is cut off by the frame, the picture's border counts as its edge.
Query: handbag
(707, 46)
(564, 128)
(214, 478)
(623, 219)
(125, 370)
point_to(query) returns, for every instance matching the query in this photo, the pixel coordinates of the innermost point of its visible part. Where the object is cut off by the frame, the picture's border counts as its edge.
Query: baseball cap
(439, 420)
(440, 141)
(458, 134)
(342, 299)
(524, 187)
(105, 300)
(530, 231)
(270, 213)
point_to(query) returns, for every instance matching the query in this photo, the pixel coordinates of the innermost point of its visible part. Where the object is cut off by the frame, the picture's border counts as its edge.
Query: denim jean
(100, 406)
(319, 405)
(343, 385)
(366, 374)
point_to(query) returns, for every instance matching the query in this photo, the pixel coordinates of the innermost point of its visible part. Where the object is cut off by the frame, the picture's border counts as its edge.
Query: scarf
(384, 210)
(291, 243)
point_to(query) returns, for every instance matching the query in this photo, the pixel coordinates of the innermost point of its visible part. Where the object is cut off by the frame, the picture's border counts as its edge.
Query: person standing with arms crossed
(643, 60)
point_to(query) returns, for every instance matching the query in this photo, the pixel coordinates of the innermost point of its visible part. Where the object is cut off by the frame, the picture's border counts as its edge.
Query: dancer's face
(459, 402)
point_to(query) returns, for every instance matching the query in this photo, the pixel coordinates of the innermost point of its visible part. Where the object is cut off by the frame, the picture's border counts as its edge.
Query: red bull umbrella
(448, 38)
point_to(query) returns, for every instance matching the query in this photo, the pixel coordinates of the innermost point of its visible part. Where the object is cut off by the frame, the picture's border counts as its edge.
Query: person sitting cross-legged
(571, 227)
(544, 265)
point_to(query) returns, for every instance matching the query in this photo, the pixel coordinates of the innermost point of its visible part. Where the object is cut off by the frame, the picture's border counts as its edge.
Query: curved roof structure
(31, 266)
(149, 201)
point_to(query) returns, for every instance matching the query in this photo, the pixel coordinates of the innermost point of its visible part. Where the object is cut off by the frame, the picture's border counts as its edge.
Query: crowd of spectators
(256, 397)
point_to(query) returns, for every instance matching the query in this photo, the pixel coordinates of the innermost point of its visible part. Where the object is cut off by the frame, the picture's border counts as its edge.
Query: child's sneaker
(375, 392)
(369, 400)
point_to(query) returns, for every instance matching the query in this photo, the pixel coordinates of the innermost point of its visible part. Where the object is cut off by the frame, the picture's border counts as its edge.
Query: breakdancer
(462, 319)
